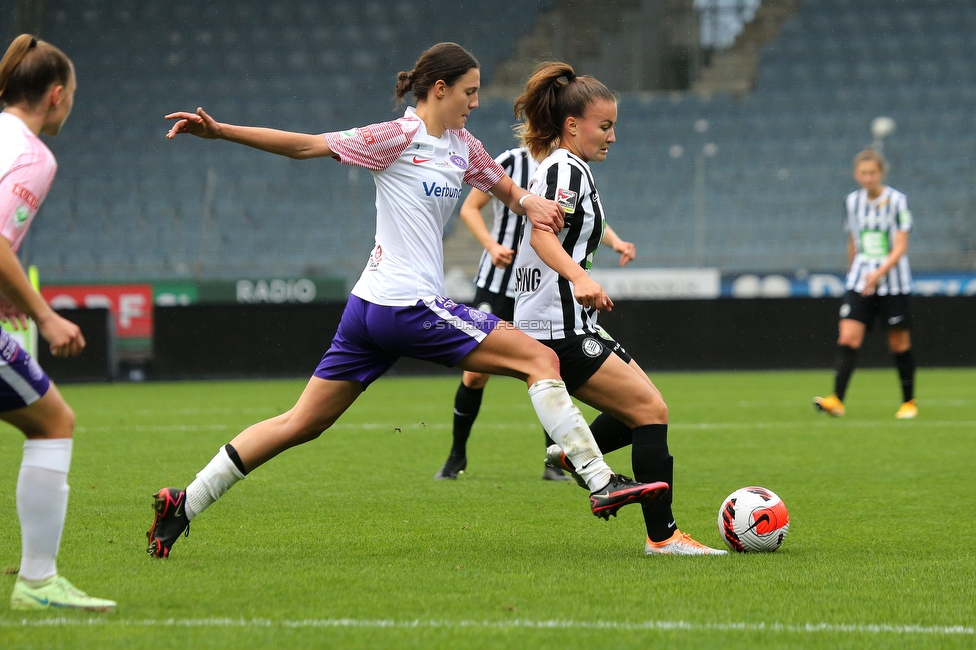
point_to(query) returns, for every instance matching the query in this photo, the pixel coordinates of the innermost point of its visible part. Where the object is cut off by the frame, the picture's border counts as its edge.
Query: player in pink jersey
(397, 308)
(37, 86)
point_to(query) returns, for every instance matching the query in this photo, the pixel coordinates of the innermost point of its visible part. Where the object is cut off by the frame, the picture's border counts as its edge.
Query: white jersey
(872, 225)
(418, 183)
(507, 226)
(27, 169)
(544, 304)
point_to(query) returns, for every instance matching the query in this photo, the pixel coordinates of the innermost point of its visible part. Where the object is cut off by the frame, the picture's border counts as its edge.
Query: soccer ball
(753, 520)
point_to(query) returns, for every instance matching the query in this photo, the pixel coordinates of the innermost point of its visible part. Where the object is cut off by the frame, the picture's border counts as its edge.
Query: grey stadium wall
(241, 341)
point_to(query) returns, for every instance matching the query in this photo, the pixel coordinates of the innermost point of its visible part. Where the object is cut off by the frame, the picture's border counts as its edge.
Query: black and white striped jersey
(544, 304)
(872, 226)
(505, 229)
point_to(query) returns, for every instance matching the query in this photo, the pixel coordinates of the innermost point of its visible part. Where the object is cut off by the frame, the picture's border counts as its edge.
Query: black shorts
(581, 356)
(494, 303)
(895, 311)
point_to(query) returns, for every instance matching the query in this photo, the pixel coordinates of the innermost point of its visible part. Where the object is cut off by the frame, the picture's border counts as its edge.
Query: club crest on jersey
(459, 162)
(441, 191)
(591, 347)
(21, 215)
(477, 316)
(566, 200)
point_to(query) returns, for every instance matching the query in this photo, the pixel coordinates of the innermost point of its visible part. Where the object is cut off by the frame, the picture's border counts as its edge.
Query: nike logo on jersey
(442, 191)
(420, 161)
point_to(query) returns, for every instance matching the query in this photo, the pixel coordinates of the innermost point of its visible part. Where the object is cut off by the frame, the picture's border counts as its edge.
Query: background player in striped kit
(879, 282)
(571, 119)
(37, 86)
(397, 308)
(495, 282)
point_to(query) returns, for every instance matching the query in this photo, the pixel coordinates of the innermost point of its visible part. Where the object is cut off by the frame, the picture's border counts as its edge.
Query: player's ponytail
(553, 93)
(445, 62)
(29, 68)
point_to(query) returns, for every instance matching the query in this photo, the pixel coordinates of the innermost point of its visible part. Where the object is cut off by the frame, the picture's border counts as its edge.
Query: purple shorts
(372, 337)
(22, 382)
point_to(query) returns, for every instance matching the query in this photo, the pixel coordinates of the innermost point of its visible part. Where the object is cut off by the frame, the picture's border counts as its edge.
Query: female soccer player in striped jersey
(397, 308)
(879, 282)
(495, 294)
(571, 119)
(37, 87)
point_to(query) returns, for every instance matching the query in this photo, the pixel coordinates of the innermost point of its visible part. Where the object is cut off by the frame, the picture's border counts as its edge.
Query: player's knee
(654, 411)
(60, 423)
(475, 380)
(899, 346)
(659, 411)
(547, 361)
(849, 341)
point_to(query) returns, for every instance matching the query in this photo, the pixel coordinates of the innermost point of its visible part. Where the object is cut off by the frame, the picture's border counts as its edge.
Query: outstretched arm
(501, 256)
(626, 249)
(299, 146)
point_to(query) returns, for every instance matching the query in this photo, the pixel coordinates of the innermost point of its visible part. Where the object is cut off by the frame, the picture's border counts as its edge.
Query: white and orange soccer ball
(753, 520)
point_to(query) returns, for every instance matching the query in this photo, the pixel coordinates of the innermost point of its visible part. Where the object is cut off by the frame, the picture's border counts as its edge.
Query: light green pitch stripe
(777, 628)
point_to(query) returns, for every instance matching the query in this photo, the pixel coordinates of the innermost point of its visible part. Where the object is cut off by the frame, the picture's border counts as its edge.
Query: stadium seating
(128, 204)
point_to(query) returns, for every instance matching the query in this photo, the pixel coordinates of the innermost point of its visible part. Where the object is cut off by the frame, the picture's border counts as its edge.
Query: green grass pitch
(348, 542)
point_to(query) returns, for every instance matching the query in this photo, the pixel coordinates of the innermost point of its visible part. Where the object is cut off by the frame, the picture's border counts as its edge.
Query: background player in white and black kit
(37, 87)
(879, 282)
(570, 119)
(495, 294)
(397, 308)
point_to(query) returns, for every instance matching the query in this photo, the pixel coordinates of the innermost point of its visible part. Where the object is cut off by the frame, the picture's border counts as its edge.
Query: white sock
(211, 482)
(567, 428)
(42, 501)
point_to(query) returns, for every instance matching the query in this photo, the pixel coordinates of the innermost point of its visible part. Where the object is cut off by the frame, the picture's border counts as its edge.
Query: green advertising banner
(249, 291)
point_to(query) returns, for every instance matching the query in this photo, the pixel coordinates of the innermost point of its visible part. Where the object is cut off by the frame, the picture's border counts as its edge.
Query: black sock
(846, 360)
(549, 441)
(652, 462)
(905, 362)
(235, 458)
(467, 403)
(610, 433)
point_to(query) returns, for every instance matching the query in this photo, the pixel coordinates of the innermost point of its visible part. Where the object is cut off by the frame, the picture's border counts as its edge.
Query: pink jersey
(418, 184)
(27, 169)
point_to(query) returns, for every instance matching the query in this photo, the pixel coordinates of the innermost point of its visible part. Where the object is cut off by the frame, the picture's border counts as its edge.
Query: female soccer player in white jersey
(37, 87)
(879, 282)
(571, 119)
(397, 308)
(495, 294)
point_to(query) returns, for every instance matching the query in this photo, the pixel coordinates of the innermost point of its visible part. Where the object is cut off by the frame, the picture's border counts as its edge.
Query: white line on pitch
(687, 626)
